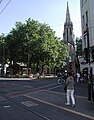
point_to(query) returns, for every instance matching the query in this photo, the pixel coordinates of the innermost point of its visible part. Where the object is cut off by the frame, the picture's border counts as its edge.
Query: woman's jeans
(70, 94)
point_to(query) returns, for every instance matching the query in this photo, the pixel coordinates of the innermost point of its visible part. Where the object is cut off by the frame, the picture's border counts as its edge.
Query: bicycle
(61, 81)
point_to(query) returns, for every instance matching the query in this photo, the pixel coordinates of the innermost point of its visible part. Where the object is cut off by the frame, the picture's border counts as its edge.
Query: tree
(79, 51)
(35, 43)
(2, 46)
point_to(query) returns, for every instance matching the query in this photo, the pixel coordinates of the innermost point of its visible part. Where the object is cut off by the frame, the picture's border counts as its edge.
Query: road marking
(47, 85)
(65, 94)
(7, 106)
(22, 92)
(54, 87)
(28, 90)
(5, 90)
(28, 103)
(28, 86)
(63, 108)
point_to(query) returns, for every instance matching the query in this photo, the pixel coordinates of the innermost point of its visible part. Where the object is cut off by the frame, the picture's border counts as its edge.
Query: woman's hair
(70, 73)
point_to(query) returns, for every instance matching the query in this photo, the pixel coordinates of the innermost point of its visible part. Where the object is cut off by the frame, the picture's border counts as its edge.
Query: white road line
(63, 108)
(65, 94)
(7, 106)
(47, 85)
(31, 89)
(54, 87)
(46, 90)
(27, 86)
(5, 90)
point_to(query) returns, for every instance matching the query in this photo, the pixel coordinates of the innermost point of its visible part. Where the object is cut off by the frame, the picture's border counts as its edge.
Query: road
(42, 100)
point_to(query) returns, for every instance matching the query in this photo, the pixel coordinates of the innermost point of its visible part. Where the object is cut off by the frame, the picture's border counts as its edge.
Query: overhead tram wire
(1, 1)
(5, 6)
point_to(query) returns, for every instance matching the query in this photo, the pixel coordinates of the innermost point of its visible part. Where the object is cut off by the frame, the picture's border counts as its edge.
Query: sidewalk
(4, 78)
(83, 107)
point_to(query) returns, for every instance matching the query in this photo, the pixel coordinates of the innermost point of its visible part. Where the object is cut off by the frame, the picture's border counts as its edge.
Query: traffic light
(92, 52)
(70, 65)
(86, 53)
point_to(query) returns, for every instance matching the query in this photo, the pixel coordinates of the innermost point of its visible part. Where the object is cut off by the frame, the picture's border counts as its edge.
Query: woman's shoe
(67, 104)
(73, 105)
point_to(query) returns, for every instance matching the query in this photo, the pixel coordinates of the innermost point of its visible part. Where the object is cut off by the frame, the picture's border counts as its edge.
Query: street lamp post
(86, 33)
(3, 60)
(89, 67)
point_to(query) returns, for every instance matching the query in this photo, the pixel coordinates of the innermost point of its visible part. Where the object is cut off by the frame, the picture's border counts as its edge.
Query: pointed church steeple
(68, 28)
(68, 38)
(68, 20)
(67, 14)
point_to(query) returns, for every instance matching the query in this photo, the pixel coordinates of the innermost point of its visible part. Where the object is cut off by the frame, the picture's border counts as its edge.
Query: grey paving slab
(83, 107)
(11, 111)
(51, 111)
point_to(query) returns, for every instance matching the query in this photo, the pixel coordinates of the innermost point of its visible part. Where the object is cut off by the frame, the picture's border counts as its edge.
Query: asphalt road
(42, 100)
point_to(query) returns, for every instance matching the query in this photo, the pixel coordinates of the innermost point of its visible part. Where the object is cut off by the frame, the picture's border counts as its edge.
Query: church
(68, 38)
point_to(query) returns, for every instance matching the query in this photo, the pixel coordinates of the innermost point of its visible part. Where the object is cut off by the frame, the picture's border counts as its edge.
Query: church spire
(68, 28)
(69, 40)
(67, 14)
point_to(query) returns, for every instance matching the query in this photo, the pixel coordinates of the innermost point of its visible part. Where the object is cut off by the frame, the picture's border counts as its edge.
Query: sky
(51, 12)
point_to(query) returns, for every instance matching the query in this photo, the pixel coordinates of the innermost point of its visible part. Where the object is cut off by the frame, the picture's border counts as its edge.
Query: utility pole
(3, 59)
(89, 67)
(87, 52)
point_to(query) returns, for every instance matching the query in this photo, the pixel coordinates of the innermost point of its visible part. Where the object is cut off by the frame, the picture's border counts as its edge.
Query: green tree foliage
(35, 43)
(79, 50)
(2, 48)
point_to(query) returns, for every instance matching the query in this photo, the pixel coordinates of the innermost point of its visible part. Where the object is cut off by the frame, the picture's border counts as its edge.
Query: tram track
(49, 88)
(23, 106)
(9, 96)
(21, 92)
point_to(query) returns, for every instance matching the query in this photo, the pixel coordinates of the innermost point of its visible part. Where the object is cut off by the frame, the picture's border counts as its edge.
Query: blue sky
(52, 12)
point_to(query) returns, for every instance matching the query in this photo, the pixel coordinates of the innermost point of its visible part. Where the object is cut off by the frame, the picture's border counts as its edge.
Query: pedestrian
(70, 90)
(78, 77)
(37, 75)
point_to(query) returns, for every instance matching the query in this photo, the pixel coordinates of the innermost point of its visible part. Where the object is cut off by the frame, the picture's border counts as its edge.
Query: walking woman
(70, 90)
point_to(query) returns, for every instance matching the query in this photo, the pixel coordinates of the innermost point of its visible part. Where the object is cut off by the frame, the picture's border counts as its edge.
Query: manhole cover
(6, 106)
(28, 103)
(56, 99)
(28, 86)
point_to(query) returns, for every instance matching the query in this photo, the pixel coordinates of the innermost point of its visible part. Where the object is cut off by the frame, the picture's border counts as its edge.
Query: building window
(67, 34)
(82, 2)
(85, 41)
(86, 17)
(92, 52)
(85, 1)
(83, 21)
(70, 31)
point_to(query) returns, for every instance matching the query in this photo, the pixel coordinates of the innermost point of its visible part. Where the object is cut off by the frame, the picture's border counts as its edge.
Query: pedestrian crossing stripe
(28, 103)
(63, 108)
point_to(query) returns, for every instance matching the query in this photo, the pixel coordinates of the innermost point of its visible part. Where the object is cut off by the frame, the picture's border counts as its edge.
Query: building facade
(87, 23)
(68, 38)
(87, 20)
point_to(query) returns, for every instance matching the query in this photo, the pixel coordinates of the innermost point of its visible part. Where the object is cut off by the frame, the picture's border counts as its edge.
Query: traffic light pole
(89, 82)
(89, 67)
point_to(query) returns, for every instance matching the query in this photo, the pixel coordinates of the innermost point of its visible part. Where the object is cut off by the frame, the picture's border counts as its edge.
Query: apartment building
(87, 23)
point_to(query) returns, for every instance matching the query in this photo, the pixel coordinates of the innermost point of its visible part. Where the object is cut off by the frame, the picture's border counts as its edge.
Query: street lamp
(3, 60)
(87, 53)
